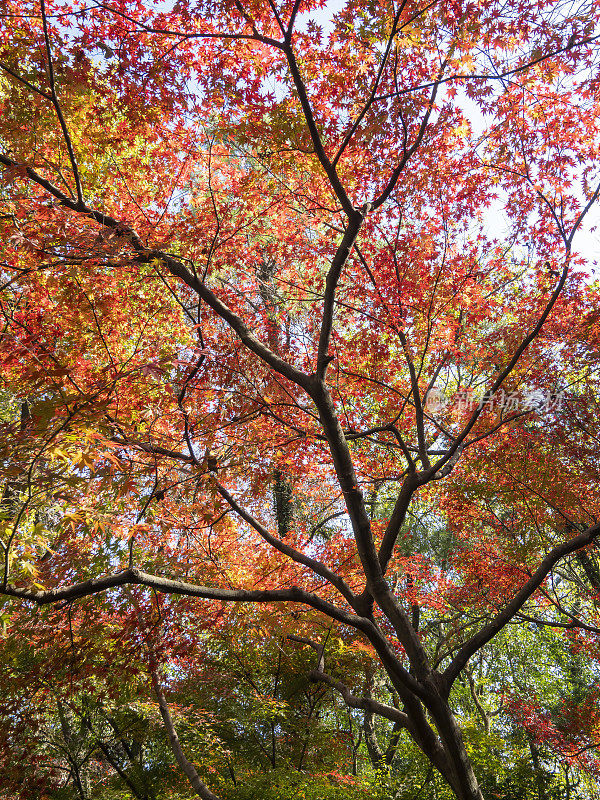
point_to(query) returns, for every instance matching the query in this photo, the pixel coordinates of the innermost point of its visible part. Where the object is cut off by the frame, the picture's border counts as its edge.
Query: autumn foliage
(299, 359)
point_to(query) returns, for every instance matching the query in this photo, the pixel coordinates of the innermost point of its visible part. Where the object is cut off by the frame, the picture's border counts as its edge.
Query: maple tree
(247, 244)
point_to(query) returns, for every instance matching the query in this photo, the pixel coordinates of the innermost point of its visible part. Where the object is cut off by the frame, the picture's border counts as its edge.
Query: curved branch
(186, 766)
(316, 566)
(457, 444)
(497, 76)
(487, 633)
(365, 703)
(255, 36)
(177, 270)
(136, 576)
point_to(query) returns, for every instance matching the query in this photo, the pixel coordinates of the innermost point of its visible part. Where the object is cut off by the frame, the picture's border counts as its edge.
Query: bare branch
(366, 703)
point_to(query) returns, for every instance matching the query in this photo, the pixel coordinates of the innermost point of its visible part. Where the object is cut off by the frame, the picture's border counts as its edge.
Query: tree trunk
(461, 776)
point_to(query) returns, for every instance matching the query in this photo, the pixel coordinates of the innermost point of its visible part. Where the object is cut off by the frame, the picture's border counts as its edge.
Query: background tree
(245, 243)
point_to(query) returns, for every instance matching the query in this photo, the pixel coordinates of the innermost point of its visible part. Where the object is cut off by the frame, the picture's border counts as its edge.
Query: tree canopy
(299, 358)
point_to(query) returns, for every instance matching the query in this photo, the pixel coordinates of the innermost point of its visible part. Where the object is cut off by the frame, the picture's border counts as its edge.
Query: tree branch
(364, 703)
(177, 269)
(328, 167)
(355, 222)
(396, 521)
(58, 109)
(186, 766)
(169, 586)
(487, 633)
(458, 441)
(316, 566)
